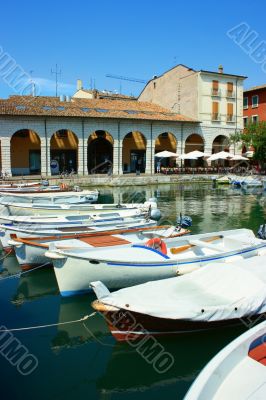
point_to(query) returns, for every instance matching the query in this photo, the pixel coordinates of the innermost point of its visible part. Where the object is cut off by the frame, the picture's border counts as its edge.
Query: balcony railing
(231, 94)
(230, 118)
(216, 117)
(216, 92)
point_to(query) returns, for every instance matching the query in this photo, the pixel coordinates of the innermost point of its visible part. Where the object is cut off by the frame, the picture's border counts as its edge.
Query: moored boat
(63, 208)
(57, 231)
(237, 372)
(218, 295)
(122, 266)
(30, 252)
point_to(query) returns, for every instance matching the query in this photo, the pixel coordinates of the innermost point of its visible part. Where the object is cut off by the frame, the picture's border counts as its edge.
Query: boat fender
(157, 244)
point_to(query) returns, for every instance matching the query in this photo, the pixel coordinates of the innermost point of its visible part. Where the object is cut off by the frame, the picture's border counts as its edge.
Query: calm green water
(84, 362)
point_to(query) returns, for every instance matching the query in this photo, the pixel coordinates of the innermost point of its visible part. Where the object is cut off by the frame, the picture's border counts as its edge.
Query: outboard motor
(262, 232)
(184, 221)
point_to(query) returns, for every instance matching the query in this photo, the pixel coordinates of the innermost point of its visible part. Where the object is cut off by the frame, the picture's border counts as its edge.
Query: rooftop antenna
(32, 83)
(57, 73)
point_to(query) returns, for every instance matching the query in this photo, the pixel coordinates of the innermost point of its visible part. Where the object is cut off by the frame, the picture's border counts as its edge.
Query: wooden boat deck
(104, 241)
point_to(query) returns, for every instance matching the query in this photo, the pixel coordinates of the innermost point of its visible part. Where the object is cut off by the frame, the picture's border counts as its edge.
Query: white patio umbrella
(196, 154)
(222, 155)
(165, 154)
(187, 156)
(238, 157)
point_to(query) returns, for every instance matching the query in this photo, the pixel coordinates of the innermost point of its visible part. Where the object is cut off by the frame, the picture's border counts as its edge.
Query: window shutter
(215, 107)
(230, 109)
(215, 85)
(229, 86)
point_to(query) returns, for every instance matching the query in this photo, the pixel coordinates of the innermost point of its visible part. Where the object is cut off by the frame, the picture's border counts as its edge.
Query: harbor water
(82, 360)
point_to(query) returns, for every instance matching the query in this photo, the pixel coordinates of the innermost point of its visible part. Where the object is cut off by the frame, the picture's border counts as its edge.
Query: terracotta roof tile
(90, 108)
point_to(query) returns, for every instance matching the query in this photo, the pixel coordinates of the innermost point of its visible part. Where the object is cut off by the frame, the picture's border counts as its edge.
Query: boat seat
(201, 243)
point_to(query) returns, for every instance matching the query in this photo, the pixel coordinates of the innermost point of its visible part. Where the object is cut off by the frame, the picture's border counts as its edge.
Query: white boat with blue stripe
(128, 265)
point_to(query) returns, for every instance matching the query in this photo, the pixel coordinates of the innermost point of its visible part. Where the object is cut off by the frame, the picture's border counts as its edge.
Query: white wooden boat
(30, 251)
(250, 181)
(60, 208)
(96, 225)
(237, 372)
(130, 265)
(215, 296)
(50, 199)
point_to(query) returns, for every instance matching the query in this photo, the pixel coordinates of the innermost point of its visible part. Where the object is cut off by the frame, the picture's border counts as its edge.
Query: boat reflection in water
(190, 352)
(35, 284)
(93, 329)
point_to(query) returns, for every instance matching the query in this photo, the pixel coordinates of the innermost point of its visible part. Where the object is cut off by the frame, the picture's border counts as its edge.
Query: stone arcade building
(180, 111)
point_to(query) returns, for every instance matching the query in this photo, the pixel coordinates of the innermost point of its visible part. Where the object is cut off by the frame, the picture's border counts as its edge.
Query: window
(230, 112)
(245, 103)
(154, 85)
(230, 87)
(131, 111)
(60, 108)
(21, 108)
(255, 101)
(85, 109)
(245, 121)
(215, 111)
(46, 108)
(215, 88)
(255, 119)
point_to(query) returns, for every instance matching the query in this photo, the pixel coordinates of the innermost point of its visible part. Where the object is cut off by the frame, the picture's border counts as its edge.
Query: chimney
(95, 94)
(221, 69)
(79, 84)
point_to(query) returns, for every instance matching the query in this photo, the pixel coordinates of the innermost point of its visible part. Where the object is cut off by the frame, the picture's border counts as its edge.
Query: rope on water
(18, 275)
(95, 338)
(6, 255)
(49, 325)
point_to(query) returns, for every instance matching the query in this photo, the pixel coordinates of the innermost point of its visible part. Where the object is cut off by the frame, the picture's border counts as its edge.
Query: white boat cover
(218, 291)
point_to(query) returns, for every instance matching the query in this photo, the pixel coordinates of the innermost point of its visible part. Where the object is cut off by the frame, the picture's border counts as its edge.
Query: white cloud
(47, 86)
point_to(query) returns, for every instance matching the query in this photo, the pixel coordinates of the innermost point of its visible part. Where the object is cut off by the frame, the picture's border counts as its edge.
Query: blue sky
(136, 39)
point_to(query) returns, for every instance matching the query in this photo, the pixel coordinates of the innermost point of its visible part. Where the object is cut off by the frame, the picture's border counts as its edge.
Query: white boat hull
(75, 272)
(235, 372)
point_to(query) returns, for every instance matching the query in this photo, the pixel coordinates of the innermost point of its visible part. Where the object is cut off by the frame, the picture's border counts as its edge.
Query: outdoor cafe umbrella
(166, 154)
(238, 157)
(222, 155)
(193, 155)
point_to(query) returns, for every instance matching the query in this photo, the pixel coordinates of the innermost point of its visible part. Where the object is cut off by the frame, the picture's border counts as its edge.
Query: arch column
(45, 157)
(150, 151)
(6, 155)
(82, 151)
(117, 157)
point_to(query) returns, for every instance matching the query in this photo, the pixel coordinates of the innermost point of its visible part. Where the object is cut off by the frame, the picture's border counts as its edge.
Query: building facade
(213, 98)
(254, 104)
(95, 132)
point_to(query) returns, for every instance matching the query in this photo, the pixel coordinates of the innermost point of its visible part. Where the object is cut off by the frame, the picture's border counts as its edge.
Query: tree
(253, 135)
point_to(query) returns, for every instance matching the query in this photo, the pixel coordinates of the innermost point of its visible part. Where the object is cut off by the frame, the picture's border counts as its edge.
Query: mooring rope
(6, 255)
(49, 325)
(18, 275)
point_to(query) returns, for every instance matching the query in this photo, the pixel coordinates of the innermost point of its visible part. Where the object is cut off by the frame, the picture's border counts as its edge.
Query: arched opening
(194, 142)
(134, 152)
(220, 143)
(25, 148)
(100, 152)
(63, 152)
(166, 141)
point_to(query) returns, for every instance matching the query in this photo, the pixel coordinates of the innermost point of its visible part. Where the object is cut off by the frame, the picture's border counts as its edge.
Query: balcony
(216, 117)
(230, 118)
(230, 94)
(216, 92)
